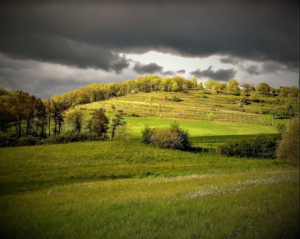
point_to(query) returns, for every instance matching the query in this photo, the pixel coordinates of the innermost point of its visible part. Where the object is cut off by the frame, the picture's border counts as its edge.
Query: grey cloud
(45, 80)
(169, 73)
(272, 67)
(230, 60)
(92, 33)
(63, 51)
(253, 70)
(180, 71)
(147, 68)
(219, 75)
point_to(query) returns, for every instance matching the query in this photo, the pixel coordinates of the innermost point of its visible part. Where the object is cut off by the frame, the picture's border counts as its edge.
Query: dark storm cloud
(253, 70)
(147, 68)
(271, 67)
(230, 60)
(219, 75)
(63, 51)
(93, 33)
(180, 71)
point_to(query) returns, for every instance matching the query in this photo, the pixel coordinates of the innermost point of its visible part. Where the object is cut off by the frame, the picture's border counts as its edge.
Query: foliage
(99, 123)
(71, 137)
(209, 84)
(147, 133)
(281, 128)
(117, 121)
(288, 147)
(76, 119)
(13, 141)
(211, 116)
(172, 137)
(175, 99)
(263, 88)
(259, 147)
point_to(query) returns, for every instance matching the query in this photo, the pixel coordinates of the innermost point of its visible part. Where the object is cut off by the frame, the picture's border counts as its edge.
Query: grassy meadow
(117, 189)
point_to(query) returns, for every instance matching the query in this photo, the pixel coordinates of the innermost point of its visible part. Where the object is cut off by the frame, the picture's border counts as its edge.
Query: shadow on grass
(15, 187)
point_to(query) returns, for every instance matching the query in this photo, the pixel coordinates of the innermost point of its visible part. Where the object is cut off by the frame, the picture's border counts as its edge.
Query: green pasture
(200, 129)
(117, 189)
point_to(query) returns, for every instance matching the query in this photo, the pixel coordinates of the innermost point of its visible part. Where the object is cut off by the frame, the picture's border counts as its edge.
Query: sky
(51, 47)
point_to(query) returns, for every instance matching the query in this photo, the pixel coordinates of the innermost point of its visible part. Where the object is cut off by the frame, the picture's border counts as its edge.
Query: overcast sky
(51, 47)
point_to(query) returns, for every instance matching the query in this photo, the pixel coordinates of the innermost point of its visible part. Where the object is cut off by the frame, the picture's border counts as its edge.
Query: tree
(209, 84)
(294, 91)
(200, 86)
(288, 147)
(263, 88)
(17, 106)
(99, 122)
(232, 86)
(194, 83)
(57, 114)
(76, 119)
(116, 122)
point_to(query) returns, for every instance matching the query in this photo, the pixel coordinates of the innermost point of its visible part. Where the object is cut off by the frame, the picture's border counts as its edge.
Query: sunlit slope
(215, 115)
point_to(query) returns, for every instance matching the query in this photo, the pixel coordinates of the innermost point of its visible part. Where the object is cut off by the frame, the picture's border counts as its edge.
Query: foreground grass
(130, 190)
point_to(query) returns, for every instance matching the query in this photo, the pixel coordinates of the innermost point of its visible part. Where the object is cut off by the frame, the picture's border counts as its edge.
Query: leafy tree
(217, 86)
(99, 122)
(288, 147)
(263, 88)
(232, 86)
(194, 83)
(200, 86)
(18, 108)
(209, 84)
(57, 111)
(116, 122)
(294, 91)
(76, 119)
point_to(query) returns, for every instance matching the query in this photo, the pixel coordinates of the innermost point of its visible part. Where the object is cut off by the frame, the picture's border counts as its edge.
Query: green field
(118, 189)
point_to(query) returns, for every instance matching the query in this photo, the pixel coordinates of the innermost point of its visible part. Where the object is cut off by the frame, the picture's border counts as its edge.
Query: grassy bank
(130, 190)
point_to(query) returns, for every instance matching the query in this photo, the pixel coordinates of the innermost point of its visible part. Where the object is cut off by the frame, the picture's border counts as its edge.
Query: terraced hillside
(193, 105)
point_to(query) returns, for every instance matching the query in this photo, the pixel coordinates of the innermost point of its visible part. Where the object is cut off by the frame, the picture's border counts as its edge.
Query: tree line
(29, 115)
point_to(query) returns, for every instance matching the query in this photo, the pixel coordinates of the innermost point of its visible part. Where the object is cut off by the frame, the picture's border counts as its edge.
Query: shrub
(147, 133)
(71, 137)
(281, 128)
(175, 99)
(8, 141)
(288, 147)
(172, 137)
(261, 146)
(29, 141)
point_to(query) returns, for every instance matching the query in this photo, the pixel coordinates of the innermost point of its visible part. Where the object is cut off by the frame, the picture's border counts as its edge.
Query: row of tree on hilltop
(99, 92)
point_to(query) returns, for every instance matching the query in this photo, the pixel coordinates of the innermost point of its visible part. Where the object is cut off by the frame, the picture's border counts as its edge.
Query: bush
(175, 99)
(288, 147)
(71, 137)
(147, 133)
(261, 146)
(281, 128)
(172, 137)
(8, 141)
(29, 141)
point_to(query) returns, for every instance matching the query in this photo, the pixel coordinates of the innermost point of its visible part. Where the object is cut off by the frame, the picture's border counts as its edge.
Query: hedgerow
(261, 146)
